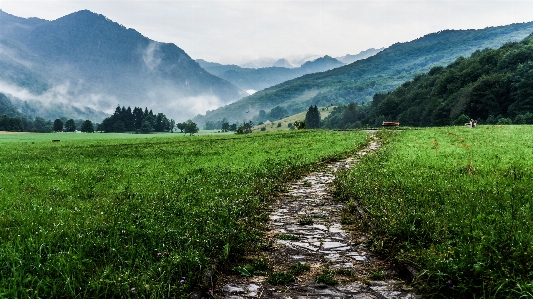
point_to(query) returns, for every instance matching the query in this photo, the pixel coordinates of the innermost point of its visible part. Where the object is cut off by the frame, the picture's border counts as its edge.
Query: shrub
(281, 278)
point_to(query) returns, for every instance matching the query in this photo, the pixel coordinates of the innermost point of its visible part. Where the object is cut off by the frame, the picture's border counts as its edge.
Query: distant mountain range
(86, 61)
(361, 80)
(261, 78)
(347, 59)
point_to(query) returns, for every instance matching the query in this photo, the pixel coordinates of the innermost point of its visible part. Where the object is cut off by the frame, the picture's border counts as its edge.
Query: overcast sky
(240, 31)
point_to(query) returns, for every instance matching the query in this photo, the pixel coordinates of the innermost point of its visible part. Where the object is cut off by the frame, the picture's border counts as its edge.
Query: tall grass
(140, 217)
(456, 203)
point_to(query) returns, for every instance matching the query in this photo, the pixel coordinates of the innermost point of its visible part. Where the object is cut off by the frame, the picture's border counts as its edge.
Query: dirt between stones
(305, 227)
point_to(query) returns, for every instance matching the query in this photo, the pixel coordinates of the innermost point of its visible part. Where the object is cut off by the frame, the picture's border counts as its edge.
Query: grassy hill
(361, 80)
(273, 126)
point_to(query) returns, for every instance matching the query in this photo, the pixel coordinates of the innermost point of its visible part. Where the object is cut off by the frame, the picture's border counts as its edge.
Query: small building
(390, 124)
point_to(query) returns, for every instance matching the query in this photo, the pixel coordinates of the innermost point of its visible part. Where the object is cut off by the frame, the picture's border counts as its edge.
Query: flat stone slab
(329, 245)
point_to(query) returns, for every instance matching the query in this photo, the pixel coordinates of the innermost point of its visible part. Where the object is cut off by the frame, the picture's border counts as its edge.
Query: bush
(299, 268)
(504, 121)
(326, 277)
(461, 120)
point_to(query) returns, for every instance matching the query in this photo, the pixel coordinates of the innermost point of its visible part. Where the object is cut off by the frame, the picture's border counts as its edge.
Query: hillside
(261, 78)
(274, 125)
(383, 72)
(491, 86)
(86, 60)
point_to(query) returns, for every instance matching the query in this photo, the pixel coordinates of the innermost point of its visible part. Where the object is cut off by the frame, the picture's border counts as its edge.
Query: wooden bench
(55, 140)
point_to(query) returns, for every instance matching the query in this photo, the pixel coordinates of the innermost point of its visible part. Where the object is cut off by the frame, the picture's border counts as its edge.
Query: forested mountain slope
(86, 60)
(489, 86)
(361, 80)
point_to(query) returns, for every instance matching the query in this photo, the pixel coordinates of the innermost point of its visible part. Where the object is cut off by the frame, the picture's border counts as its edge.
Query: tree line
(136, 120)
(40, 125)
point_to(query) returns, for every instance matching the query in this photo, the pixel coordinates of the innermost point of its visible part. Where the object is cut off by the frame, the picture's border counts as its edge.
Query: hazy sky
(240, 31)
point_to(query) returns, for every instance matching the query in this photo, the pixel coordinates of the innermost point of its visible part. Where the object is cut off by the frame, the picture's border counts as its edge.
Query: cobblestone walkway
(310, 221)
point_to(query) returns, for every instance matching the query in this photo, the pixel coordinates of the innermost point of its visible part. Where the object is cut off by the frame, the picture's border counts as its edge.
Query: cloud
(62, 94)
(171, 101)
(149, 56)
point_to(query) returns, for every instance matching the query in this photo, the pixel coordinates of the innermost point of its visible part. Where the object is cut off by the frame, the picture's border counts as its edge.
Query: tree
(161, 122)
(87, 127)
(181, 127)
(146, 128)
(119, 127)
(172, 125)
(225, 125)
(299, 124)
(138, 117)
(312, 118)
(461, 120)
(277, 113)
(58, 125)
(70, 125)
(191, 127)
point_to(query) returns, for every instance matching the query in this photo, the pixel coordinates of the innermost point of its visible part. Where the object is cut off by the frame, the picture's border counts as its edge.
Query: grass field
(117, 215)
(456, 203)
(6, 137)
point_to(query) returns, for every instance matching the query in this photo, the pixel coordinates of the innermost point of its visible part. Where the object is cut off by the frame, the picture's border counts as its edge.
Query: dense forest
(491, 86)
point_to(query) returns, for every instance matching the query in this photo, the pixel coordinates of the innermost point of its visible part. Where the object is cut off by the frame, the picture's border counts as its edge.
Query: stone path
(306, 228)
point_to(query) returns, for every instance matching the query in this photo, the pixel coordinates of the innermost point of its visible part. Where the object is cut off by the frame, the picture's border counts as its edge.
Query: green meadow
(119, 215)
(454, 203)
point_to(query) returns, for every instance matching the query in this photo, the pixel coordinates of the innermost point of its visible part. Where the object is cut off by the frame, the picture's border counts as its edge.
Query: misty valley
(131, 170)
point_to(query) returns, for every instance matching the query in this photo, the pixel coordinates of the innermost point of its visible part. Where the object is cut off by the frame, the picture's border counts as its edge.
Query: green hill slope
(359, 81)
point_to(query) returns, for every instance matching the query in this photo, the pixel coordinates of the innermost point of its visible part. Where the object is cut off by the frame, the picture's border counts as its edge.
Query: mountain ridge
(361, 80)
(261, 78)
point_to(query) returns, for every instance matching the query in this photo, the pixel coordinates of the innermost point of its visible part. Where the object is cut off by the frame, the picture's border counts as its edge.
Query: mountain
(361, 80)
(347, 59)
(321, 64)
(259, 63)
(86, 60)
(283, 63)
(258, 79)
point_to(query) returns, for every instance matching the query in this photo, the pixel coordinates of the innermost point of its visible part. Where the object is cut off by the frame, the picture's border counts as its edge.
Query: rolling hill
(361, 80)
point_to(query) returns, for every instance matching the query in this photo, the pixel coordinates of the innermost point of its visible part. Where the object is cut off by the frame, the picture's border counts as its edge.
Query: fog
(167, 100)
(102, 87)
(149, 56)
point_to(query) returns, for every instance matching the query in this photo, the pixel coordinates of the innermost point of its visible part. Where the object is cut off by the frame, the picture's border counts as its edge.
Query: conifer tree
(312, 118)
